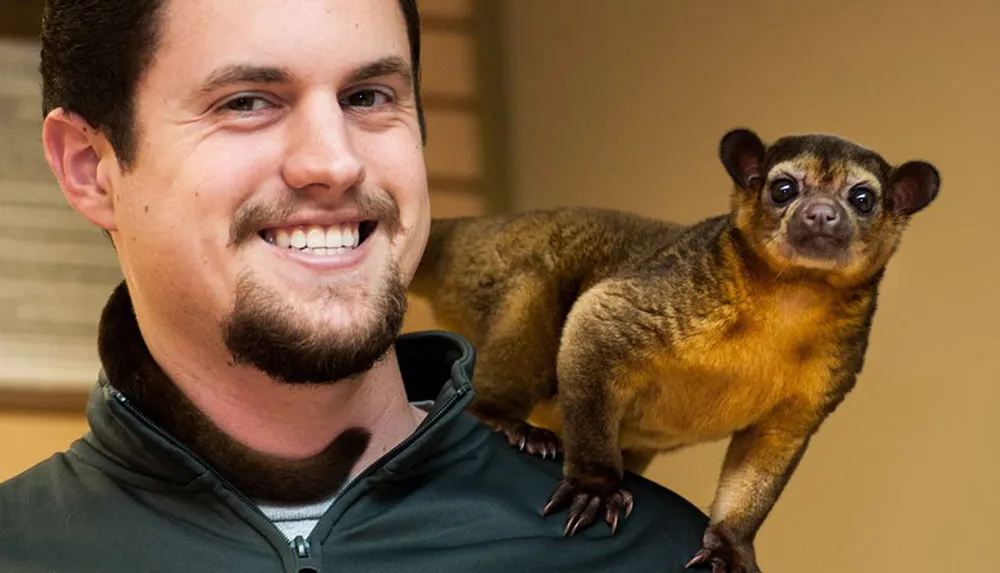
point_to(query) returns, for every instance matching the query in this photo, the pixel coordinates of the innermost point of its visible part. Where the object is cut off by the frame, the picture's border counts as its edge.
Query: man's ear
(742, 153)
(70, 149)
(912, 186)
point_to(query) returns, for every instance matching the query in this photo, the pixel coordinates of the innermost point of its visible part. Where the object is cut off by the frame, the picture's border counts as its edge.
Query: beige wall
(621, 104)
(27, 437)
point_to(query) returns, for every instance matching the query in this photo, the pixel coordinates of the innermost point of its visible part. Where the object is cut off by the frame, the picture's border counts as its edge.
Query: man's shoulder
(500, 492)
(63, 492)
(39, 498)
(49, 489)
(539, 477)
(41, 479)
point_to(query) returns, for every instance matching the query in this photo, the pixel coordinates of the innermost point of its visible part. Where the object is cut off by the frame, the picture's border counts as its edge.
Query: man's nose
(320, 152)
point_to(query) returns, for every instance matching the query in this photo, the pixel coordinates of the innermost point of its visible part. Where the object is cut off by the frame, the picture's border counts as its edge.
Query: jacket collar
(436, 366)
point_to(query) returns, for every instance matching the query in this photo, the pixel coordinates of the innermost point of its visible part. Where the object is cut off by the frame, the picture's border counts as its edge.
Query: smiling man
(259, 169)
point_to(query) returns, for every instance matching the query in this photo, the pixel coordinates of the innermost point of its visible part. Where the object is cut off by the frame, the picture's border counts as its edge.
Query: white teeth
(317, 240)
(282, 239)
(325, 250)
(334, 237)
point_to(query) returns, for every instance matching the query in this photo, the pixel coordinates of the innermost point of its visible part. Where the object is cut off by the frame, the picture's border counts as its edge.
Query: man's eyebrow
(389, 66)
(235, 74)
(244, 74)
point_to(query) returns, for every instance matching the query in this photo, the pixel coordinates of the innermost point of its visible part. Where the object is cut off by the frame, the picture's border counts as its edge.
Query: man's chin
(267, 333)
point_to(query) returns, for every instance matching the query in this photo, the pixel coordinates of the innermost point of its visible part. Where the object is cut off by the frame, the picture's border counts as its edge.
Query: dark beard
(132, 369)
(261, 332)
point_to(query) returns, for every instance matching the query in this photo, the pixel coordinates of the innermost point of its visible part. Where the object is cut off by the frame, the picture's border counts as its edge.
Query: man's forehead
(301, 37)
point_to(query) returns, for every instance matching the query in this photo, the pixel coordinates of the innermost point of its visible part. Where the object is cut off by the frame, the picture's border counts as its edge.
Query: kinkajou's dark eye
(783, 191)
(862, 198)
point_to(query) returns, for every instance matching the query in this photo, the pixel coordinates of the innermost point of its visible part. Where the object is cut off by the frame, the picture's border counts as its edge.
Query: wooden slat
(14, 191)
(21, 18)
(446, 182)
(53, 236)
(448, 64)
(55, 400)
(491, 65)
(457, 203)
(435, 101)
(22, 157)
(47, 362)
(85, 296)
(20, 115)
(18, 327)
(49, 317)
(52, 305)
(18, 86)
(27, 250)
(446, 23)
(445, 8)
(77, 274)
(44, 218)
(19, 54)
(453, 144)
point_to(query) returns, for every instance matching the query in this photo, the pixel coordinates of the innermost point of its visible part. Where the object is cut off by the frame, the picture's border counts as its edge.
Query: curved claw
(581, 513)
(621, 500)
(724, 555)
(559, 498)
(700, 558)
(537, 441)
(585, 503)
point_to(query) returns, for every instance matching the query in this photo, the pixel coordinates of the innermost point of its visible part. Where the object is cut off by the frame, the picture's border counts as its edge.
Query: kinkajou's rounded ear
(912, 186)
(742, 154)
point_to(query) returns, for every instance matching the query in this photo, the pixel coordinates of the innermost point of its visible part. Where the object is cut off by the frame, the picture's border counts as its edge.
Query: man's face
(278, 203)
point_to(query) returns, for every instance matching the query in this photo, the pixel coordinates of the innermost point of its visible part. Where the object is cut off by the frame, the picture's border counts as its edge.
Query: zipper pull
(304, 561)
(301, 547)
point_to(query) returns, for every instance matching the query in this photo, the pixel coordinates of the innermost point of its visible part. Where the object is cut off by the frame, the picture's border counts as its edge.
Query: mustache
(371, 205)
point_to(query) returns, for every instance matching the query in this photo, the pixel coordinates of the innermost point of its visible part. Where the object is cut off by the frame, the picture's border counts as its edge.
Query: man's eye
(367, 98)
(244, 104)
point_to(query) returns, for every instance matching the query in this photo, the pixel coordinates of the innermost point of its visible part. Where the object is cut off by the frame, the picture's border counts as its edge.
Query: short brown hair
(94, 52)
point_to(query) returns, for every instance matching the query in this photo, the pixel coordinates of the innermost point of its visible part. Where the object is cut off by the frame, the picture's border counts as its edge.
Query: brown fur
(628, 336)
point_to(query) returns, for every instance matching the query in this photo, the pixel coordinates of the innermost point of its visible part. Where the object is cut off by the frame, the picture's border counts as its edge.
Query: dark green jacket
(454, 497)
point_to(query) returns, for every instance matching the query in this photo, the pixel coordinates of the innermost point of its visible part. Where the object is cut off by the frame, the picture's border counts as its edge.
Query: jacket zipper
(301, 546)
(377, 465)
(303, 556)
(166, 436)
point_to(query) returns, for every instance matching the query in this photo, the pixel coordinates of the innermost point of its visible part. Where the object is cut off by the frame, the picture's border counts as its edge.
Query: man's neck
(273, 442)
(296, 421)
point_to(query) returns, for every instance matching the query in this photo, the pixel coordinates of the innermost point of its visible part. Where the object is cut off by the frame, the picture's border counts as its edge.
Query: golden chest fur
(736, 366)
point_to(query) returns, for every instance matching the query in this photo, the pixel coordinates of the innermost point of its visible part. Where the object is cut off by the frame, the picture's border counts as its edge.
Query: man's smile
(320, 239)
(322, 244)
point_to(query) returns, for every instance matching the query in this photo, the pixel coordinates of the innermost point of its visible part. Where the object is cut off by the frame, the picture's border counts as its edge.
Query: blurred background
(541, 103)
